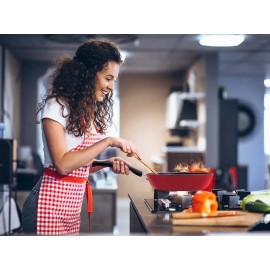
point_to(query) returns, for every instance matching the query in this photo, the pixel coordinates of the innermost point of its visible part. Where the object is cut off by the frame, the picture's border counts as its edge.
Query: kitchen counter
(143, 221)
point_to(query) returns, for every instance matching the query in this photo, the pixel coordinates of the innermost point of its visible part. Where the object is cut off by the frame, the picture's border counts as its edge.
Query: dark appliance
(230, 175)
(9, 211)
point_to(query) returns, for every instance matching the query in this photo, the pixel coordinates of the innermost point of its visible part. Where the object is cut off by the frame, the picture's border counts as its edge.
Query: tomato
(204, 202)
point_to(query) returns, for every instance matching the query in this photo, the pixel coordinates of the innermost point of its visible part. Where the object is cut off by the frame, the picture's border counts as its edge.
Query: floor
(122, 213)
(122, 218)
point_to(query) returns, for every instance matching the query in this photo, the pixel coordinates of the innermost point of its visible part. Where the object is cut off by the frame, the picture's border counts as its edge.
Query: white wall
(142, 121)
(250, 90)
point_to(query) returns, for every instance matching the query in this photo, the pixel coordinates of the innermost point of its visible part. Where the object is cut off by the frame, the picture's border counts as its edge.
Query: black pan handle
(109, 164)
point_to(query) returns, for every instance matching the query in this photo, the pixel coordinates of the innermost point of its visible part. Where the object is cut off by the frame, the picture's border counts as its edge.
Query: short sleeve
(53, 110)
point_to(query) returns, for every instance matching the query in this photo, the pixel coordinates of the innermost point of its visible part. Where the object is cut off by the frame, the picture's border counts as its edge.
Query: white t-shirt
(53, 111)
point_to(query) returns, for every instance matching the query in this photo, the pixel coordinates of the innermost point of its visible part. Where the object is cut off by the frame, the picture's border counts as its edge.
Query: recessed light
(123, 55)
(267, 82)
(221, 40)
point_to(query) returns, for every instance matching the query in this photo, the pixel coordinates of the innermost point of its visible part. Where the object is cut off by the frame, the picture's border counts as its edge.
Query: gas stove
(177, 201)
(169, 201)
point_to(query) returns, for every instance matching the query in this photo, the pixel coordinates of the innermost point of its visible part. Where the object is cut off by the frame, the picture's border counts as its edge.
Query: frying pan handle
(109, 164)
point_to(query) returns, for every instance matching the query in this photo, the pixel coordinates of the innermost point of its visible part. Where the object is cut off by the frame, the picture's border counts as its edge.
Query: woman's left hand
(120, 166)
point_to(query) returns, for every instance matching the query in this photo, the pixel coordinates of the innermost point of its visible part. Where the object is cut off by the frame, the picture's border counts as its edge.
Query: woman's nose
(111, 85)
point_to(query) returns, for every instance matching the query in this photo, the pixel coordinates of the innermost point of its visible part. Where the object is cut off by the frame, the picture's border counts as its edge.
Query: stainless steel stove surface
(162, 205)
(169, 201)
(177, 201)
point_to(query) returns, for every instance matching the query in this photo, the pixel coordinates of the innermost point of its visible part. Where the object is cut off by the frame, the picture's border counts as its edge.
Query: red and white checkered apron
(61, 197)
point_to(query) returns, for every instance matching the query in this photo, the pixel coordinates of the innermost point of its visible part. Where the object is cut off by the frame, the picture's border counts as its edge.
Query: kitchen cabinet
(103, 218)
(135, 224)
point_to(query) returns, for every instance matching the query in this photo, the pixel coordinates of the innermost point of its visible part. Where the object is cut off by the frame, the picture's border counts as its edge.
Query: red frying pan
(179, 181)
(173, 181)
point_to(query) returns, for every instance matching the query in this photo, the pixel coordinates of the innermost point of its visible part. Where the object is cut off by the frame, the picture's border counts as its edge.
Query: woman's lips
(103, 93)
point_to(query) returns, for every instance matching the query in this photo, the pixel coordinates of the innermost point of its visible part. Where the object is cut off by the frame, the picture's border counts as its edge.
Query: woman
(75, 113)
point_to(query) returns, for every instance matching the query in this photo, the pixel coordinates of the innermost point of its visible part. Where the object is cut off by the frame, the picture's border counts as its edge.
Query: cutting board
(245, 219)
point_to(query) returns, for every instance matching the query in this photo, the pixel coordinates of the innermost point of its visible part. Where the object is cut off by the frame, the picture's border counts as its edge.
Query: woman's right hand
(124, 145)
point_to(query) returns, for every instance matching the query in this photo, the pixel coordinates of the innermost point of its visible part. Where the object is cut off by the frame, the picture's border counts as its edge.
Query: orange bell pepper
(204, 202)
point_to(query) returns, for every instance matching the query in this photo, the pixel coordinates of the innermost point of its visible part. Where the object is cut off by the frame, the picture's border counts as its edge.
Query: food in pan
(194, 167)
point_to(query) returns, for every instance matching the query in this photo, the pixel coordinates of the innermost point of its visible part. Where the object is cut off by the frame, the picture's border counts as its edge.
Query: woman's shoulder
(55, 104)
(55, 110)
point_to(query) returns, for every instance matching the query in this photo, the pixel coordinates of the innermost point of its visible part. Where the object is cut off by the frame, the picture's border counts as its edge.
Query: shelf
(193, 124)
(181, 149)
(192, 95)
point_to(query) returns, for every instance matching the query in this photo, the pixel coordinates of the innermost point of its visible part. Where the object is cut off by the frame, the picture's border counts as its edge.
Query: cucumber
(257, 206)
(263, 197)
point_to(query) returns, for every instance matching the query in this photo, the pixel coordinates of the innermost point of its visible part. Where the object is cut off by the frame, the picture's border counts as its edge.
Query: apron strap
(89, 198)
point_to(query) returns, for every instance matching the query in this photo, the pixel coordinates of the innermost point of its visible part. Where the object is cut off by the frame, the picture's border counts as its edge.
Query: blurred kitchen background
(176, 100)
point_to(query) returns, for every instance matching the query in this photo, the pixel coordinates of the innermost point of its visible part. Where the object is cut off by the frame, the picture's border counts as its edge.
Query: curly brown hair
(72, 84)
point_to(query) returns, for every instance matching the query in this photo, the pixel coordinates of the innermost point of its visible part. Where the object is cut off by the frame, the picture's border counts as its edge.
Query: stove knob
(219, 193)
(229, 200)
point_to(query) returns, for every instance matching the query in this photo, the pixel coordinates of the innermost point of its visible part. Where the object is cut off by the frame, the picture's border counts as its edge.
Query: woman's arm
(66, 161)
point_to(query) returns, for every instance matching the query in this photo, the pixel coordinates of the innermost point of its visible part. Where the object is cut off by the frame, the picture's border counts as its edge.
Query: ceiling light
(267, 82)
(123, 55)
(221, 40)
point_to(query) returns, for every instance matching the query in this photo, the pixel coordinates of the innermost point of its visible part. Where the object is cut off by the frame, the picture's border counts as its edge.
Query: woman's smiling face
(105, 80)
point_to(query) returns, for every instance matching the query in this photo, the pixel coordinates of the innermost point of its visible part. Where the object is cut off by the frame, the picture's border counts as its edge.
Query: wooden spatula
(145, 164)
